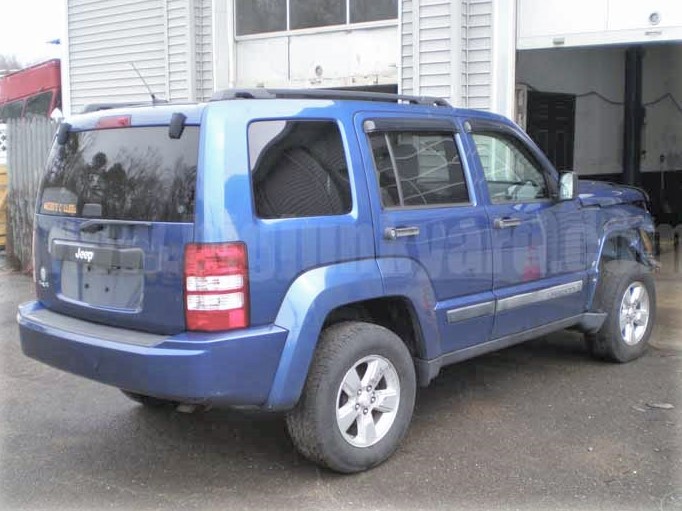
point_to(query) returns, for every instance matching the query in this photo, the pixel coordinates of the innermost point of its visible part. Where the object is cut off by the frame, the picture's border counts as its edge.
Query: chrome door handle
(506, 223)
(393, 233)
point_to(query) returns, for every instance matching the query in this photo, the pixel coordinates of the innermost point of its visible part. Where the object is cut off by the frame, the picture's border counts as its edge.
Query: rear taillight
(216, 287)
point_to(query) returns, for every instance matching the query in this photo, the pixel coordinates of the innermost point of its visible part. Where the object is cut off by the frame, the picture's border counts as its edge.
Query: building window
(264, 16)
(418, 169)
(261, 16)
(317, 13)
(298, 169)
(372, 10)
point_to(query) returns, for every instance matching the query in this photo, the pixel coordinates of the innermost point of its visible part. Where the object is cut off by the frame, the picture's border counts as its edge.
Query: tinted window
(258, 16)
(298, 169)
(317, 13)
(127, 173)
(510, 172)
(39, 105)
(373, 10)
(418, 169)
(12, 110)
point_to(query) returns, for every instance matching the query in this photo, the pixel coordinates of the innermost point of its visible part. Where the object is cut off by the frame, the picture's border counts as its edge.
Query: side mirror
(568, 186)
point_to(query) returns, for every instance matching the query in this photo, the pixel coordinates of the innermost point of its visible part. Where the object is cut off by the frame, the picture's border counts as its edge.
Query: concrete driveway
(539, 426)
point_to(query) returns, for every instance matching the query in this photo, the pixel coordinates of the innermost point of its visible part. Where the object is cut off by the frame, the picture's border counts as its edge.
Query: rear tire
(628, 295)
(149, 401)
(358, 398)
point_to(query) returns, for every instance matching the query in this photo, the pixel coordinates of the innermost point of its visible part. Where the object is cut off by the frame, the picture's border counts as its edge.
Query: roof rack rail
(96, 107)
(260, 93)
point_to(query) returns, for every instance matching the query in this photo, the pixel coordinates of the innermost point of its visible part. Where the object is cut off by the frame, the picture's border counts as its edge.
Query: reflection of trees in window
(259, 16)
(182, 190)
(138, 177)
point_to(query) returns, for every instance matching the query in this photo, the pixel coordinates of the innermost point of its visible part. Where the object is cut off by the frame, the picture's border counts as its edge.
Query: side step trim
(427, 370)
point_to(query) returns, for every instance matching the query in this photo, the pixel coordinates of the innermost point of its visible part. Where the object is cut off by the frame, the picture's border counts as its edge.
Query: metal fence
(28, 145)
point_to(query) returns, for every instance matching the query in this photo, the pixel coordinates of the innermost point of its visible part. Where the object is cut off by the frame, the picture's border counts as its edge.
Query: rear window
(123, 174)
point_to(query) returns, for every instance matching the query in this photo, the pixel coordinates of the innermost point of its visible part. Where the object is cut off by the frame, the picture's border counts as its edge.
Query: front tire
(628, 295)
(358, 399)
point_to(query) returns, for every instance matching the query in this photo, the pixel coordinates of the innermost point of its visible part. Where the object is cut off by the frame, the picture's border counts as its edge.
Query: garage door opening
(577, 104)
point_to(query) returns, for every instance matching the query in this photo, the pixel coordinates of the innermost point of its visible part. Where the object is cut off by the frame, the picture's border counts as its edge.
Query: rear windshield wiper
(98, 224)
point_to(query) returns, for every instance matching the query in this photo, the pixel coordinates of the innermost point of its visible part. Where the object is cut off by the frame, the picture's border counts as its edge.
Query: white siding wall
(104, 37)
(178, 71)
(203, 48)
(426, 44)
(407, 59)
(169, 41)
(446, 50)
(477, 41)
(434, 48)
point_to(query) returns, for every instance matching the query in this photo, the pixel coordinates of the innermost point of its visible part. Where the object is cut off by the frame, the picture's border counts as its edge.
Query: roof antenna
(154, 100)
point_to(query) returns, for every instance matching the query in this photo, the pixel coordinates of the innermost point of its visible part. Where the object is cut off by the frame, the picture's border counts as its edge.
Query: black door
(551, 124)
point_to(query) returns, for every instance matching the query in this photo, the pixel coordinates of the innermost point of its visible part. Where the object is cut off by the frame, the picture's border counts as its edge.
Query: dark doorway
(551, 124)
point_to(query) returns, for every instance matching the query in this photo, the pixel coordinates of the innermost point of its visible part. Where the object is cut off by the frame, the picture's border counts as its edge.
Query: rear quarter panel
(279, 250)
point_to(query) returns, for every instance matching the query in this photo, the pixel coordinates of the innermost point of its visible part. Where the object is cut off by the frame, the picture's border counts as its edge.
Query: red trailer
(35, 90)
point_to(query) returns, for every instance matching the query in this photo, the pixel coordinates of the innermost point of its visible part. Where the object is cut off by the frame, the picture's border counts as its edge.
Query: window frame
(351, 182)
(550, 175)
(417, 126)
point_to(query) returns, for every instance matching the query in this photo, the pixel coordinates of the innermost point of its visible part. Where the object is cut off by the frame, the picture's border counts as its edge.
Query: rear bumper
(233, 368)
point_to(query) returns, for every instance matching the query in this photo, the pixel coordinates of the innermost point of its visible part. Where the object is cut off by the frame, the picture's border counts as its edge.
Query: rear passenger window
(418, 169)
(298, 169)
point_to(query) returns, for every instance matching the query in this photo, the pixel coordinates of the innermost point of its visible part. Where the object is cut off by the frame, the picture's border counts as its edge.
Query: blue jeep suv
(320, 253)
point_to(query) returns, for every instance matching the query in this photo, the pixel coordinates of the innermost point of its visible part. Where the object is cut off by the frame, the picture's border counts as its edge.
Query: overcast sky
(27, 25)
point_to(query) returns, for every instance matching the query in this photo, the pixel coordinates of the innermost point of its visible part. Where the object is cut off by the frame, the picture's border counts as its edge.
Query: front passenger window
(511, 175)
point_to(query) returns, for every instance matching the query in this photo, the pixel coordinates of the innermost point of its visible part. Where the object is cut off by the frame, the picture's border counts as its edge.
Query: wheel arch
(622, 241)
(396, 313)
(329, 294)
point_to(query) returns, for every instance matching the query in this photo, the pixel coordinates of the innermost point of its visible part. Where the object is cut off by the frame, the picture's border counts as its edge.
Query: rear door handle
(506, 223)
(393, 233)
